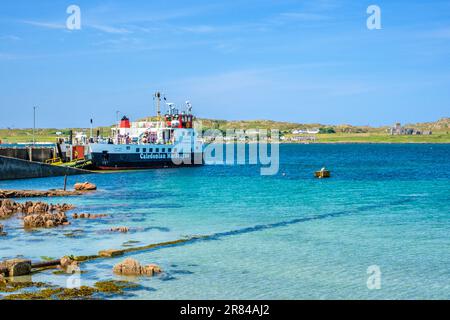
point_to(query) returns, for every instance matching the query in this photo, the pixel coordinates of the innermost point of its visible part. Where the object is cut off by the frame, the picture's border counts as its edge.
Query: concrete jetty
(30, 153)
(13, 169)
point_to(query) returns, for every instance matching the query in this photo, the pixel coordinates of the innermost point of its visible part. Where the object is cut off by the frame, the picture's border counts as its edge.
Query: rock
(36, 193)
(111, 253)
(131, 267)
(88, 216)
(47, 220)
(97, 216)
(1, 231)
(120, 229)
(86, 186)
(154, 268)
(41, 208)
(64, 262)
(2, 280)
(69, 265)
(61, 207)
(17, 267)
(8, 208)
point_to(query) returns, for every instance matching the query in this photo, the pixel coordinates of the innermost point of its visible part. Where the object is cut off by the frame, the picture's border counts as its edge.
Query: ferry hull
(126, 161)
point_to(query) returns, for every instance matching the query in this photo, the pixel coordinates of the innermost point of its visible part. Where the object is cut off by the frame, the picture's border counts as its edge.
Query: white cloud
(199, 29)
(43, 24)
(303, 16)
(110, 29)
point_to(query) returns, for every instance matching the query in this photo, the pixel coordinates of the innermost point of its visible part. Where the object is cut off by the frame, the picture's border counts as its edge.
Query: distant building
(299, 131)
(302, 138)
(398, 130)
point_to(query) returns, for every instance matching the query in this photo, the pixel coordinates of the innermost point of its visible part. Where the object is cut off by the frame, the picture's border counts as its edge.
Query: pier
(13, 169)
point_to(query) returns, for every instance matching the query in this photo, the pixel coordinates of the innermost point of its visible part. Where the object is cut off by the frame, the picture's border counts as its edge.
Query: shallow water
(272, 237)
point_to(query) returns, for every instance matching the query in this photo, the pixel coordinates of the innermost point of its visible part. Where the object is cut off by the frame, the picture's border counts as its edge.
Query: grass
(370, 135)
(374, 137)
(10, 136)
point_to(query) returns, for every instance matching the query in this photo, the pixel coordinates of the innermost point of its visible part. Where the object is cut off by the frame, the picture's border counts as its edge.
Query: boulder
(69, 265)
(17, 267)
(132, 267)
(86, 186)
(1, 231)
(39, 207)
(97, 216)
(120, 229)
(88, 216)
(154, 268)
(9, 208)
(60, 207)
(111, 253)
(46, 220)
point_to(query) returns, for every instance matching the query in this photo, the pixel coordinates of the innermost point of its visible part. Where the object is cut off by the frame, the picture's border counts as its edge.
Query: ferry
(170, 141)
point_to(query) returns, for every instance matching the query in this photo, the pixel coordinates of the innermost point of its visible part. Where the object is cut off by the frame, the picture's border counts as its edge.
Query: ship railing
(53, 160)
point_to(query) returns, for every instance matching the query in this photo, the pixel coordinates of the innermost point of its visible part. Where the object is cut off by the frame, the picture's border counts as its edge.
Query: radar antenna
(188, 107)
(171, 107)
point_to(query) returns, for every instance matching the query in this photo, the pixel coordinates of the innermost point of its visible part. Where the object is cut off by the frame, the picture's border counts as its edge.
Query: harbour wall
(37, 154)
(13, 169)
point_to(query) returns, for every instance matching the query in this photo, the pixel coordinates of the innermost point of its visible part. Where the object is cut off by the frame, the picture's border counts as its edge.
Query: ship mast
(158, 105)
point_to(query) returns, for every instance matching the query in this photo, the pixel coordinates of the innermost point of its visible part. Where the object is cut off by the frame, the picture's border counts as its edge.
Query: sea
(379, 228)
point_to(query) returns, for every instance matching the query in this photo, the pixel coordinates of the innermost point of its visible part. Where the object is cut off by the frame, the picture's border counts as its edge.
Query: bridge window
(137, 149)
(144, 150)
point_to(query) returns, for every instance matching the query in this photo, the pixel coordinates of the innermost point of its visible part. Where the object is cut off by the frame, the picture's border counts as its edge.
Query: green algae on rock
(114, 286)
(49, 292)
(8, 286)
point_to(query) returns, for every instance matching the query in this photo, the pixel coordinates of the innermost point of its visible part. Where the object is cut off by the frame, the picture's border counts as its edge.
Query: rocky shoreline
(36, 214)
(9, 194)
(44, 215)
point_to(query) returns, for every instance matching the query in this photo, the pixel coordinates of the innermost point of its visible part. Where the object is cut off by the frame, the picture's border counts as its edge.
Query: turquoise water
(273, 237)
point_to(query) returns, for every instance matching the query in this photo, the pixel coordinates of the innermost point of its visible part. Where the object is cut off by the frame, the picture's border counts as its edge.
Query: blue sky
(304, 61)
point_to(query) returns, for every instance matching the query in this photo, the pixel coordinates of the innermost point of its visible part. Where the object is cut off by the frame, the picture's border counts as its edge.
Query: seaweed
(114, 286)
(46, 258)
(63, 272)
(8, 286)
(82, 293)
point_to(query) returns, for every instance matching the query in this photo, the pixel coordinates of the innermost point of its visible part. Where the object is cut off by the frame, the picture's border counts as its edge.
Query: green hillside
(334, 133)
